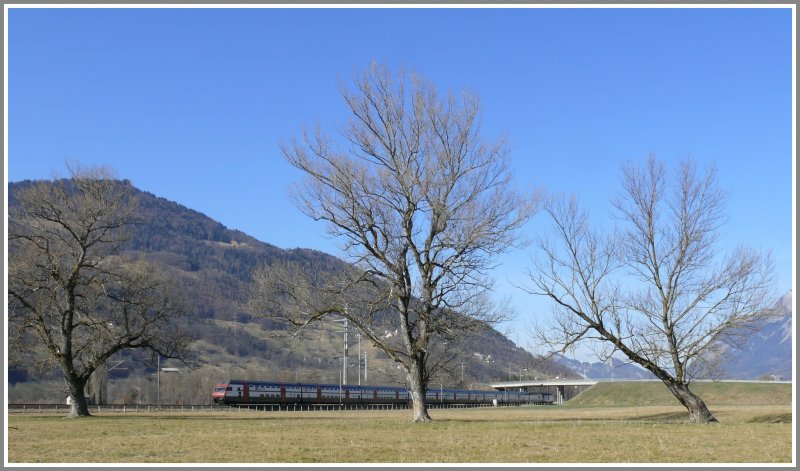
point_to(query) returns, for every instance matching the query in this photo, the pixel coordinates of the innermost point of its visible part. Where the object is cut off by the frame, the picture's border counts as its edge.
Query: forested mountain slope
(211, 266)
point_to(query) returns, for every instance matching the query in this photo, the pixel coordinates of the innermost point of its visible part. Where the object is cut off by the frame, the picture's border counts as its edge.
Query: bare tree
(658, 291)
(74, 300)
(423, 205)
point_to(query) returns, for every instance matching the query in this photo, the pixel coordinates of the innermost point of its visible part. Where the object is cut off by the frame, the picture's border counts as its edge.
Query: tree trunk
(78, 404)
(97, 386)
(698, 412)
(416, 390)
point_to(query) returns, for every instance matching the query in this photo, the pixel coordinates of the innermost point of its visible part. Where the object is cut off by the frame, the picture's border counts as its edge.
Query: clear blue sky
(191, 104)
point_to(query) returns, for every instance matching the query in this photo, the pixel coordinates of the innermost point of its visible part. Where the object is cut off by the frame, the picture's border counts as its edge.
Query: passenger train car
(245, 392)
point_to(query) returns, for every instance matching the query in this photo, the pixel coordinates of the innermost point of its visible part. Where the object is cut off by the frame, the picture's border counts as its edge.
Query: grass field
(654, 393)
(542, 434)
(626, 422)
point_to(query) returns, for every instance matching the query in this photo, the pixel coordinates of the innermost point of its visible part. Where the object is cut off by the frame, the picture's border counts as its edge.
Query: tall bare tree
(73, 299)
(423, 205)
(659, 291)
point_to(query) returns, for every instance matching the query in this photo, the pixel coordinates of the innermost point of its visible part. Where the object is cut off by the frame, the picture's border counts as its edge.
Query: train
(246, 392)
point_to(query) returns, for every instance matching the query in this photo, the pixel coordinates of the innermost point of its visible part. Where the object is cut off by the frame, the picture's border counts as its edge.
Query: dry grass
(753, 434)
(654, 393)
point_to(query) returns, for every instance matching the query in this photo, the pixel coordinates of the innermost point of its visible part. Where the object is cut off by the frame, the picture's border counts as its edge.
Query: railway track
(208, 408)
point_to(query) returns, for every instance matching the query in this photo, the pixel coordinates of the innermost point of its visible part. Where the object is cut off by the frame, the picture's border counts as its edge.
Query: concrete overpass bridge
(562, 389)
(567, 388)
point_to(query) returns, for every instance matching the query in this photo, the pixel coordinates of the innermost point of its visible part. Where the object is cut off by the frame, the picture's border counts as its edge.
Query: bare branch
(680, 301)
(423, 205)
(69, 289)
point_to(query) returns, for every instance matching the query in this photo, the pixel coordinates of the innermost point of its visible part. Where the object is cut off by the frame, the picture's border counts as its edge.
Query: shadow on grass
(782, 418)
(667, 417)
(662, 417)
(679, 417)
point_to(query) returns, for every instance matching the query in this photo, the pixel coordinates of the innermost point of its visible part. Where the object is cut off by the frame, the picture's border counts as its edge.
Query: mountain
(766, 350)
(211, 265)
(764, 353)
(613, 369)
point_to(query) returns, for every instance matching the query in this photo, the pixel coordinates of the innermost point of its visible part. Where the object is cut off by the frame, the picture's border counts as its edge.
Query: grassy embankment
(654, 393)
(757, 432)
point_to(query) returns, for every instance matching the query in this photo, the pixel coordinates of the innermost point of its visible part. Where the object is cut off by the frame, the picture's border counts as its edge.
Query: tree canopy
(423, 204)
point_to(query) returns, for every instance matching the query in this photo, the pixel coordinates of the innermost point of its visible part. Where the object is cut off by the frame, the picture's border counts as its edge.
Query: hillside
(654, 393)
(212, 264)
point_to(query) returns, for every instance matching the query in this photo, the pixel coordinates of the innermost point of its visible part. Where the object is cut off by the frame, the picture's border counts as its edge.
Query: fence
(136, 408)
(58, 408)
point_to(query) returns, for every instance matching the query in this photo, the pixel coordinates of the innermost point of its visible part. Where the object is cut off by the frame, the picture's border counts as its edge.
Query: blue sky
(191, 104)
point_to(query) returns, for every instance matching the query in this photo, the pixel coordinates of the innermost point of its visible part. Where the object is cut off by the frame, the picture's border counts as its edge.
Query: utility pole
(343, 373)
(158, 382)
(344, 359)
(359, 358)
(365, 367)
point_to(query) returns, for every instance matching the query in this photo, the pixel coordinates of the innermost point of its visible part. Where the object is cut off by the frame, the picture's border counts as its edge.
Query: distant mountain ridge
(612, 369)
(765, 353)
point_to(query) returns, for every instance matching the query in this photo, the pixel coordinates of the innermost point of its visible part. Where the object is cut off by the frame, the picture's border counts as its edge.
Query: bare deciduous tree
(423, 204)
(658, 291)
(74, 300)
